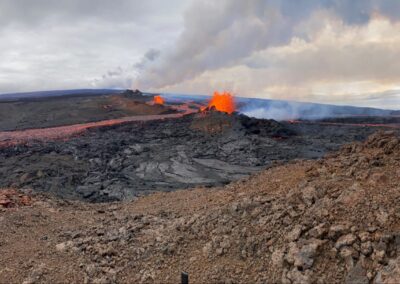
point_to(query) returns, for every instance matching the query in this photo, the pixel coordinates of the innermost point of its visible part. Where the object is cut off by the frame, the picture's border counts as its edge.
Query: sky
(327, 51)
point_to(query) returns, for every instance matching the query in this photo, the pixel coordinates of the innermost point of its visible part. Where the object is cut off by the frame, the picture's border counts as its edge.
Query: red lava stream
(11, 138)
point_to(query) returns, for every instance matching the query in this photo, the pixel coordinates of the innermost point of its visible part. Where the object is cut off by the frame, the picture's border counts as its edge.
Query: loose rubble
(10, 198)
(335, 220)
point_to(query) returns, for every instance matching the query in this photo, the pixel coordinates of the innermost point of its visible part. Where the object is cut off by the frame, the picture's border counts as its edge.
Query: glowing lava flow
(222, 102)
(12, 138)
(158, 100)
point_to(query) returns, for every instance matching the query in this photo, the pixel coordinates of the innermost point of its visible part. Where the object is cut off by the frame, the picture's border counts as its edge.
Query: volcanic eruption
(223, 102)
(158, 100)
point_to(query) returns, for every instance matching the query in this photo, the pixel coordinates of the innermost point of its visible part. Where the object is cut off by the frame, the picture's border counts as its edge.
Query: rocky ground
(122, 162)
(332, 220)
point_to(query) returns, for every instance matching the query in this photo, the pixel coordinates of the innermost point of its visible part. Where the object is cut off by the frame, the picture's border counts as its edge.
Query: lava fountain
(223, 102)
(158, 100)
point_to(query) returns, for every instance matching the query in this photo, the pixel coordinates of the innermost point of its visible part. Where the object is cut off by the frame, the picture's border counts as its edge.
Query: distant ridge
(56, 93)
(254, 107)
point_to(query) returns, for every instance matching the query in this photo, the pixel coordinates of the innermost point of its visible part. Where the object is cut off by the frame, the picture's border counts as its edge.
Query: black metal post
(184, 278)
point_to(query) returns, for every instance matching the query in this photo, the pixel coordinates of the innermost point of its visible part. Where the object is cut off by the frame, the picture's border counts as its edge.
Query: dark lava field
(123, 161)
(42, 112)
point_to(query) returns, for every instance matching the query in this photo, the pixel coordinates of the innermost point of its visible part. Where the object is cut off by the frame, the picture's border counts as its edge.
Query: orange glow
(158, 100)
(222, 102)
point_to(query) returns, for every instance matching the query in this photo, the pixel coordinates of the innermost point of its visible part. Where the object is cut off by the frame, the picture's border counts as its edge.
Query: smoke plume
(220, 34)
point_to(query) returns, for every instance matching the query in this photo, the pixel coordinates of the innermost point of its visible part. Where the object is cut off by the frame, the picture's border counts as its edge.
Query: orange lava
(158, 100)
(222, 102)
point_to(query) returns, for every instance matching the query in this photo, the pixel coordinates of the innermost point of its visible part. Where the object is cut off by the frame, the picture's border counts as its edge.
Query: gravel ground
(332, 220)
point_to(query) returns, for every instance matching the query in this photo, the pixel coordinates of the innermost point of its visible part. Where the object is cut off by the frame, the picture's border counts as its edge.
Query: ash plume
(151, 55)
(220, 34)
(122, 77)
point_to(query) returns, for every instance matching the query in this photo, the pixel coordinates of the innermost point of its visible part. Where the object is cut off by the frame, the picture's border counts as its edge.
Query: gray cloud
(48, 44)
(32, 13)
(151, 55)
(219, 34)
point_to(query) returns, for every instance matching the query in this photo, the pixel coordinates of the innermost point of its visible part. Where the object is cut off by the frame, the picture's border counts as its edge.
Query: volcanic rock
(238, 232)
(357, 275)
(122, 162)
(390, 273)
(345, 241)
